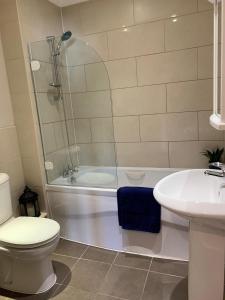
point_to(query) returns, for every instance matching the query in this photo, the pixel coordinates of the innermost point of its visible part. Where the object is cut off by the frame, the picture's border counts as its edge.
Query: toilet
(26, 245)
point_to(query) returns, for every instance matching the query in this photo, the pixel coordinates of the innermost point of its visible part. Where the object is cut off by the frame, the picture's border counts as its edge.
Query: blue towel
(138, 209)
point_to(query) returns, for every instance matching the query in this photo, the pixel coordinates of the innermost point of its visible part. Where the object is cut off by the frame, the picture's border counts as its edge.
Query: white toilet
(26, 244)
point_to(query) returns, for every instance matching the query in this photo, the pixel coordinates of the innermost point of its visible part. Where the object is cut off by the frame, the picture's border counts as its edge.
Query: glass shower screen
(74, 106)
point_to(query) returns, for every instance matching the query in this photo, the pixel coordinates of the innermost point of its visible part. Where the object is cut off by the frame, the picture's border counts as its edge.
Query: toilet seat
(28, 232)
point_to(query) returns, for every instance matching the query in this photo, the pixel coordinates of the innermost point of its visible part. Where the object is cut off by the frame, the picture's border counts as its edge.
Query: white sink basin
(199, 197)
(193, 193)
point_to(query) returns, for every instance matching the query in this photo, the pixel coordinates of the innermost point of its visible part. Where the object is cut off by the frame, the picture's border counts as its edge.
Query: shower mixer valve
(69, 171)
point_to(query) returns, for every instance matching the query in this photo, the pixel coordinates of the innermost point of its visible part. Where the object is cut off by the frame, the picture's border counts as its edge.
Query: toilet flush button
(49, 165)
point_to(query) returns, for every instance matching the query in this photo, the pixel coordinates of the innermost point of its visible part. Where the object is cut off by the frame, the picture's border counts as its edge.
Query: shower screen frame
(217, 119)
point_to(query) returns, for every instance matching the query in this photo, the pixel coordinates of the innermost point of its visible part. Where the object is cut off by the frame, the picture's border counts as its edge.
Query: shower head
(64, 37)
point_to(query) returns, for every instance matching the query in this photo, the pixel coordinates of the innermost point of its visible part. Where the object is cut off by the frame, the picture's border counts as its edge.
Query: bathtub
(89, 214)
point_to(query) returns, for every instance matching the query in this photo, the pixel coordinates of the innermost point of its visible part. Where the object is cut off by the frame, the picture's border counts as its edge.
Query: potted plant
(215, 157)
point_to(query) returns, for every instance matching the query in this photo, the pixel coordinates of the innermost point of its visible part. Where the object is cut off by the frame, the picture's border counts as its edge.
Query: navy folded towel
(138, 209)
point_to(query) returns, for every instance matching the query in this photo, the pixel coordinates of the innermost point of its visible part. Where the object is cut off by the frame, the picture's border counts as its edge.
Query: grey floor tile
(71, 293)
(131, 260)
(167, 266)
(165, 287)
(88, 275)
(70, 248)
(43, 296)
(99, 254)
(124, 282)
(104, 297)
(62, 266)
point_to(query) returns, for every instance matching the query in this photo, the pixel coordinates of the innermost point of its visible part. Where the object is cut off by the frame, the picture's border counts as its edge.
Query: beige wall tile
(122, 73)
(97, 77)
(167, 67)
(9, 149)
(146, 10)
(79, 52)
(6, 113)
(68, 106)
(32, 173)
(63, 79)
(206, 131)
(83, 131)
(39, 50)
(77, 79)
(190, 96)
(27, 140)
(10, 162)
(169, 127)
(189, 31)
(136, 40)
(102, 130)
(205, 62)
(70, 127)
(108, 15)
(48, 136)
(8, 11)
(72, 20)
(11, 40)
(39, 18)
(98, 42)
(204, 5)
(17, 76)
(43, 77)
(92, 104)
(99, 154)
(188, 154)
(60, 133)
(126, 129)
(14, 169)
(139, 100)
(24, 124)
(153, 154)
(50, 110)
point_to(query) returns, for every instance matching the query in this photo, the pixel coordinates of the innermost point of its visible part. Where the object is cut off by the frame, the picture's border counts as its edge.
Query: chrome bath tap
(69, 171)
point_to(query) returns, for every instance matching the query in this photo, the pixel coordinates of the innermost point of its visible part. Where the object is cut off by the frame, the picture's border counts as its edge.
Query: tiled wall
(51, 112)
(158, 55)
(38, 19)
(21, 22)
(10, 159)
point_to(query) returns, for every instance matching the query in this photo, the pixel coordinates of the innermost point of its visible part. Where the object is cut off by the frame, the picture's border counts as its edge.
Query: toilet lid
(28, 232)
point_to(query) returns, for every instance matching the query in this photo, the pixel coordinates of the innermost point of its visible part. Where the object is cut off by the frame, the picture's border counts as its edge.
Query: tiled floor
(89, 273)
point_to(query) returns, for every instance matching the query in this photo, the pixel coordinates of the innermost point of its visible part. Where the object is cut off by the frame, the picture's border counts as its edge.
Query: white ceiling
(62, 3)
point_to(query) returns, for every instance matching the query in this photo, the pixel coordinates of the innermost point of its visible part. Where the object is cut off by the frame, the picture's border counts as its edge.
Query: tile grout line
(110, 268)
(166, 51)
(167, 274)
(71, 270)
(122, 116)
(154, 20)
(84, 252)
(142, 293)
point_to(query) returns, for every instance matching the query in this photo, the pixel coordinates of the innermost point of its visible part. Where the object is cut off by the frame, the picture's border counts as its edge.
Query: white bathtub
(89, 215)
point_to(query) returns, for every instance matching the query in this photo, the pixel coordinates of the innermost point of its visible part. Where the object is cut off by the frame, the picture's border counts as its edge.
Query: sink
(200, 198)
